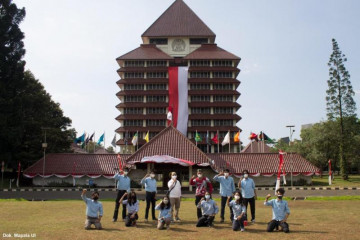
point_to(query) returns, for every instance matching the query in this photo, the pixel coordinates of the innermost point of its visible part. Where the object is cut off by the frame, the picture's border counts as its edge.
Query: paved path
(74, 193)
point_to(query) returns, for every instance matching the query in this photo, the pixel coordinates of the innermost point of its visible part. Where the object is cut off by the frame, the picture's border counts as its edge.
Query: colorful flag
(80, 139)
(91, 137)
(253, 136)
(178, 97)
(197, 137)
(215, 139)
(237, 137)
(281, 163)
(113, 142)
(169, 116)
(134, 140)
(147, 137)
(208, 138)
(226, 139)
(330, 173)
(101, 139)
(119, 161)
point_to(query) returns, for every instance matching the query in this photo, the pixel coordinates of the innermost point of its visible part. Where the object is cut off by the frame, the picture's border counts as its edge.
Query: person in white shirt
(132, 206)
(174, 194)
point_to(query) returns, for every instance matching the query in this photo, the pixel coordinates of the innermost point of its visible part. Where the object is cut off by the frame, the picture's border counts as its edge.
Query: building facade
(178, 38)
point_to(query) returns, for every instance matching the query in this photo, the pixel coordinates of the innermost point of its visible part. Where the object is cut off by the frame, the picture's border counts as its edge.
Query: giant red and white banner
(178, 97)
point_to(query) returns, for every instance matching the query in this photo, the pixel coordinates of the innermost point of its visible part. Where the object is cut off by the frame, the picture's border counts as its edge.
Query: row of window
(207, 122)
(164, 41)
(156, 86)
(195, 63)
(129, 135)
(128, 98)
(162, 122)
(193, 86)
(227, 74)
(197, 98)
(137, 63)
(198, 110)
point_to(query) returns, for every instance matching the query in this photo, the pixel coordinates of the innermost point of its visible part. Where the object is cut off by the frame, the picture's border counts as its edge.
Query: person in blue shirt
(165, 213)
(94, 210)
(132, 206)
(123, 186)
(209, 210)
(280, 210)
(227, 188)
(239, 211)
(248, 192)
(149, 182)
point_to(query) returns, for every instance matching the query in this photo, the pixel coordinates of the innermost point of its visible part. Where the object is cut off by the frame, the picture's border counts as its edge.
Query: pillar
(190, 175)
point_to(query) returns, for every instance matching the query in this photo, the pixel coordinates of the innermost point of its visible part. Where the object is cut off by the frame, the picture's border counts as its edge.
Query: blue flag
(80, 139)
(101, 139)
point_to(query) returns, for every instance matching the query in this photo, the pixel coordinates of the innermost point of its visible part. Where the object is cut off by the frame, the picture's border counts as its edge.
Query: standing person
(132, 205)
(202, 184)
(227, 188)
(209, 210)
(149, 182)
(239, 211)
(174, 194)
(248, 192)
(94, 210)
(280, 211)
(165, 213)
(123, 186)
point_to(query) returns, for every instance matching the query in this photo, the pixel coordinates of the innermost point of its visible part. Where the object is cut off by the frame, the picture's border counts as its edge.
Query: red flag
(281, 163)
(119, 160)
(215, 139)
(330, 173)
(253, 136)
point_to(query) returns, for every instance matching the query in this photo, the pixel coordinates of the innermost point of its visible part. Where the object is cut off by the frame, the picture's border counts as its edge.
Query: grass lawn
(353, 181)
(65, 220)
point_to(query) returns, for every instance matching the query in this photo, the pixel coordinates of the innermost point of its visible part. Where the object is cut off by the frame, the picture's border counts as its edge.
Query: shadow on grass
(111, 229)
(175, 229)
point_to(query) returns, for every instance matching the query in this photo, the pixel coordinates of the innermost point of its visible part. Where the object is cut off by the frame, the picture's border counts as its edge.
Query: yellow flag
(237, 137)
(147, 137)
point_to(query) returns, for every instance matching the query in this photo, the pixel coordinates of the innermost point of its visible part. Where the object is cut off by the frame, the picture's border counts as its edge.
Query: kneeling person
(132, 206)
(165, 213)
(94, 210)
(280, 211)
(239, 211)
(209, 210)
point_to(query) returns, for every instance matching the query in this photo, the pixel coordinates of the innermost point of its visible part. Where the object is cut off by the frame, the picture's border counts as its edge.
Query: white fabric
(226, 139)
(166, 159)
(176, 192)
(183, 105)
(169, 116)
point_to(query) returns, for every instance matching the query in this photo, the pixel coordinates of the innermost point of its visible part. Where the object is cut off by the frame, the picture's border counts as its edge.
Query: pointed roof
(211, 51)
(145, 52)
(173, 143)
(178, 20)
(256, 148)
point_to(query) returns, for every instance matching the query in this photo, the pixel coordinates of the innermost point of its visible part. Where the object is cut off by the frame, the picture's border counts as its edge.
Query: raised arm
(192, 180)
(83, 195)
(267, 203)
(199, 204)
(217, 177)
(122, 198)
(143, 181)
(239, 183)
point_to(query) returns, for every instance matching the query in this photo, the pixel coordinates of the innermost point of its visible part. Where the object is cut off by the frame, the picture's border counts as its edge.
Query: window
(133, 111)
(223, 134)
(134, 63)
(204, 148)
(159, 41)
(155, 98)
(133, 123)
(134, 75)
(130, 135)
(200, 122)
(223, 86)
(223, 110)
(133, 98)
(156, 111)
(199, 86)
(155, 123)
(153, 134)
(199, 74)
(200, 98)
(156, 63)
(200, 63)
(156, 75)
(223, 63)
(200, 110)
(227, 122)
(222, 75)
(156, 86)
(223, 98)
(198, 40)
(134, 87)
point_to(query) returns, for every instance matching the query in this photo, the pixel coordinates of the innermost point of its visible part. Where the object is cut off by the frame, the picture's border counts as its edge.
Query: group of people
(206, 207)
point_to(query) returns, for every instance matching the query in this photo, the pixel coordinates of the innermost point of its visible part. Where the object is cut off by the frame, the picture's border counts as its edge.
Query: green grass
(334, 198)
(353, 181)
(65, 219)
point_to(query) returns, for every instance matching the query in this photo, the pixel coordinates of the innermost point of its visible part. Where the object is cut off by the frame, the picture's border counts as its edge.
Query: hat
(199, 171)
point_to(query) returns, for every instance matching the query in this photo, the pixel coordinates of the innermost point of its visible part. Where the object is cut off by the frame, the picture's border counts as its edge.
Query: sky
(284, 46)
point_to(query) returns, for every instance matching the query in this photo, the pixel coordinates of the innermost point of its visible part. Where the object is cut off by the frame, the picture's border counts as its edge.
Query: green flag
(198, 137)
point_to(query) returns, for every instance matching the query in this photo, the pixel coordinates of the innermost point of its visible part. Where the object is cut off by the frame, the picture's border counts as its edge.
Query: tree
(340, 102)
(110, 149)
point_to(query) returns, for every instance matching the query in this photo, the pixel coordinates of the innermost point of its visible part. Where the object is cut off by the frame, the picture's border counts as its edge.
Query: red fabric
(202, 185)
(253, 136)
(330, 168)
(174, 93)
(215, 139)
(281, 163)
(119, 160)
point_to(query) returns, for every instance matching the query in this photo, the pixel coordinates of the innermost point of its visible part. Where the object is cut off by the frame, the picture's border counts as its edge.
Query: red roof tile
(211, 51)
(256, 148)
(145, 52)
(178, 20)
(263, 163)
(85, 164)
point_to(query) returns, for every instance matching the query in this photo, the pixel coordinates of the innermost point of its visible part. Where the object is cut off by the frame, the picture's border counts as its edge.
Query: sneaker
(243, 229)
(155, 219)
(114, 220)
(178, 219)
(253, 220)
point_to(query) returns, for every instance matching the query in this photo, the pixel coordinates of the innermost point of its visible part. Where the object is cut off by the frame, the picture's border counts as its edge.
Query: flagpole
(239, 142)
(137, 142)
(229, 142)
(251, 144)
(207, 140)
(195, 137)
(94, 143)
(218, 142)
(126, 143)
(104, 140)
(263, 145)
